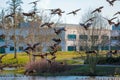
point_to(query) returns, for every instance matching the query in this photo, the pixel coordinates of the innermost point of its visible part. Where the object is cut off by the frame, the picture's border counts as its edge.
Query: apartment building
(74, 38)
(115, 38)
(77, 38)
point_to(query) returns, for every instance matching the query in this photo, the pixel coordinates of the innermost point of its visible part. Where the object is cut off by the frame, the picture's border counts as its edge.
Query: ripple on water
(23, 77)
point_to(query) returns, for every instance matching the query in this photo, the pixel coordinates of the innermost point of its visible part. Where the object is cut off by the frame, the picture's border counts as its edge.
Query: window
(2, 38)
(20, 48)
(94, 37)
(105, 47)
(11, 48)
(71, 36)
(71, 48)
(104, 37)
(114, 38)
(84, 37)
(115, 47)
(2, 50)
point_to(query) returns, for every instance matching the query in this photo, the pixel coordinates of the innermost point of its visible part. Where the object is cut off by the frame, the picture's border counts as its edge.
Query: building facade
(74, 38)
(115, 38)
(77, 38)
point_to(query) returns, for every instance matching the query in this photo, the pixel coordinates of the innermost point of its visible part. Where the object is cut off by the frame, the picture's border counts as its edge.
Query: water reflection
(22, 77)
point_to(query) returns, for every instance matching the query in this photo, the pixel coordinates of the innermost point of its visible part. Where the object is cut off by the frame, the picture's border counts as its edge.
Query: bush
(111, 60)
(106, 60)
(44, 67)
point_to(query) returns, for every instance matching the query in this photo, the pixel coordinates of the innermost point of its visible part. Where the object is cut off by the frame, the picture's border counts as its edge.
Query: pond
(13, 76)
(23, 77)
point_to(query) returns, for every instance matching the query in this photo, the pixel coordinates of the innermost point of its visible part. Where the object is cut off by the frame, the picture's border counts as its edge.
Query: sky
(70, 5)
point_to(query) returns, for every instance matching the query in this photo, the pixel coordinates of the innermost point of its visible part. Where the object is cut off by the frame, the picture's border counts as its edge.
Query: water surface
(22, 77)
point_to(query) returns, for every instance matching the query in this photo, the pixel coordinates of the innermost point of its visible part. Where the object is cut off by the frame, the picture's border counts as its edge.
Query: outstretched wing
(35, 45)
(94, 11)
(90, 19)
(43, 24)
(88, 24)
(77, 10)
(62, 29)
(113, 18)
(69, 13)
(34, 2)
(101, 7)
(27, 52)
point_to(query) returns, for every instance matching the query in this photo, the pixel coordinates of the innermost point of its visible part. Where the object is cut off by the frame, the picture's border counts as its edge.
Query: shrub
(106, 60)
(44, 67)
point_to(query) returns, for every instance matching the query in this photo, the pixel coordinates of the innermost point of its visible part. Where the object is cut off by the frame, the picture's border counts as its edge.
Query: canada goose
(2, 57)
(116, 24)
(97, 10)
(74, 12)
(86, 26)
(57, 11)
(29, 14)
(90, 19)
(59, 30)
(10, 15)
(110, 20)
(89, 52)
(57, 40)
(27, 52)
(116, 13)
(32, 46)
(47, 24)
(111, 2)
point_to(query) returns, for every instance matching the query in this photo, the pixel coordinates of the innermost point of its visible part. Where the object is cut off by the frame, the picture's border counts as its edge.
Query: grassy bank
(73, 59)
(23, 58)
(77, 70)
(100, 70)
(68, 57)
(83, 70)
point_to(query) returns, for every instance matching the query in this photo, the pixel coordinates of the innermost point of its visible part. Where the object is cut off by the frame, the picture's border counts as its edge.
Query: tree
(90, 41)
(5, 24)
(38, 31)
(14, 6)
